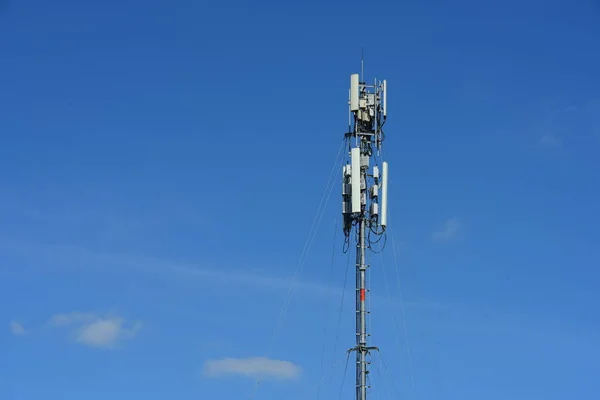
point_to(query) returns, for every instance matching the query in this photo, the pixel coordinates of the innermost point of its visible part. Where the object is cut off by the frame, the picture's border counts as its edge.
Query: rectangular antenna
(384, 98)
(355, 179)
(354, 92)
(384, 193)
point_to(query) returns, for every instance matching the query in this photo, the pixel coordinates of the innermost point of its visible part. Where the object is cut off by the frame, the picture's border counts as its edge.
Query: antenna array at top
(368, 113)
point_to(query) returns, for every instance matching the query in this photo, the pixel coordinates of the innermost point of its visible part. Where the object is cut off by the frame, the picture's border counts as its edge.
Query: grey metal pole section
(361, 314)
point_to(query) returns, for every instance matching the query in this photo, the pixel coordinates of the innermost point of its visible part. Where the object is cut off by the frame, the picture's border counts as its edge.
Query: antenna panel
(346, 189)
(384, 98)
(354, 92)
(374, 209)
(346, 171)
(384, 193)
(345, 207)
(355, 179)
(374, 191)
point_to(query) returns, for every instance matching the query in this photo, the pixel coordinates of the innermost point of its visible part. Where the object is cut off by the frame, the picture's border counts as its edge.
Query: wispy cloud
(567, 124)
(253, 367)
(550, 141)
(16, 328)
(96, 331)
(448, 231)
(568, 109)
(189, 272)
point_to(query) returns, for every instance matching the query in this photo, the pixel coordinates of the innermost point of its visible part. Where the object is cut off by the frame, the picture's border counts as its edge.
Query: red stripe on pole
(362, 294)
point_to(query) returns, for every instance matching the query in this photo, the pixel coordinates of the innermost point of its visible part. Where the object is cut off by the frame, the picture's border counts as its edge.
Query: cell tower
(364, 193)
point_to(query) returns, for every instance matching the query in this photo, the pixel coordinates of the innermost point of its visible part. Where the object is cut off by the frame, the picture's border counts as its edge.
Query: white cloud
(71, 318)
(97, 331)
(17, 329)
(449, 230)
(254, 367)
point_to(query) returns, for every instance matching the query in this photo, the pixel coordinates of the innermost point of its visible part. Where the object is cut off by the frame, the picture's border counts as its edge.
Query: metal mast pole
(361, 315)
(363, 206)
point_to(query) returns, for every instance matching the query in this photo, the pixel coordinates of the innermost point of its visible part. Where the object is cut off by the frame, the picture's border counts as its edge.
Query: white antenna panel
(374, 209)
(374, 191)
(384, 193)
(354, 92)
(355, 179)
(384, 98)
(346, 171)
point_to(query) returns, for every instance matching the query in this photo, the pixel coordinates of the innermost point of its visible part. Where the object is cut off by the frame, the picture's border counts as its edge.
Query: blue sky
(161, 164)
